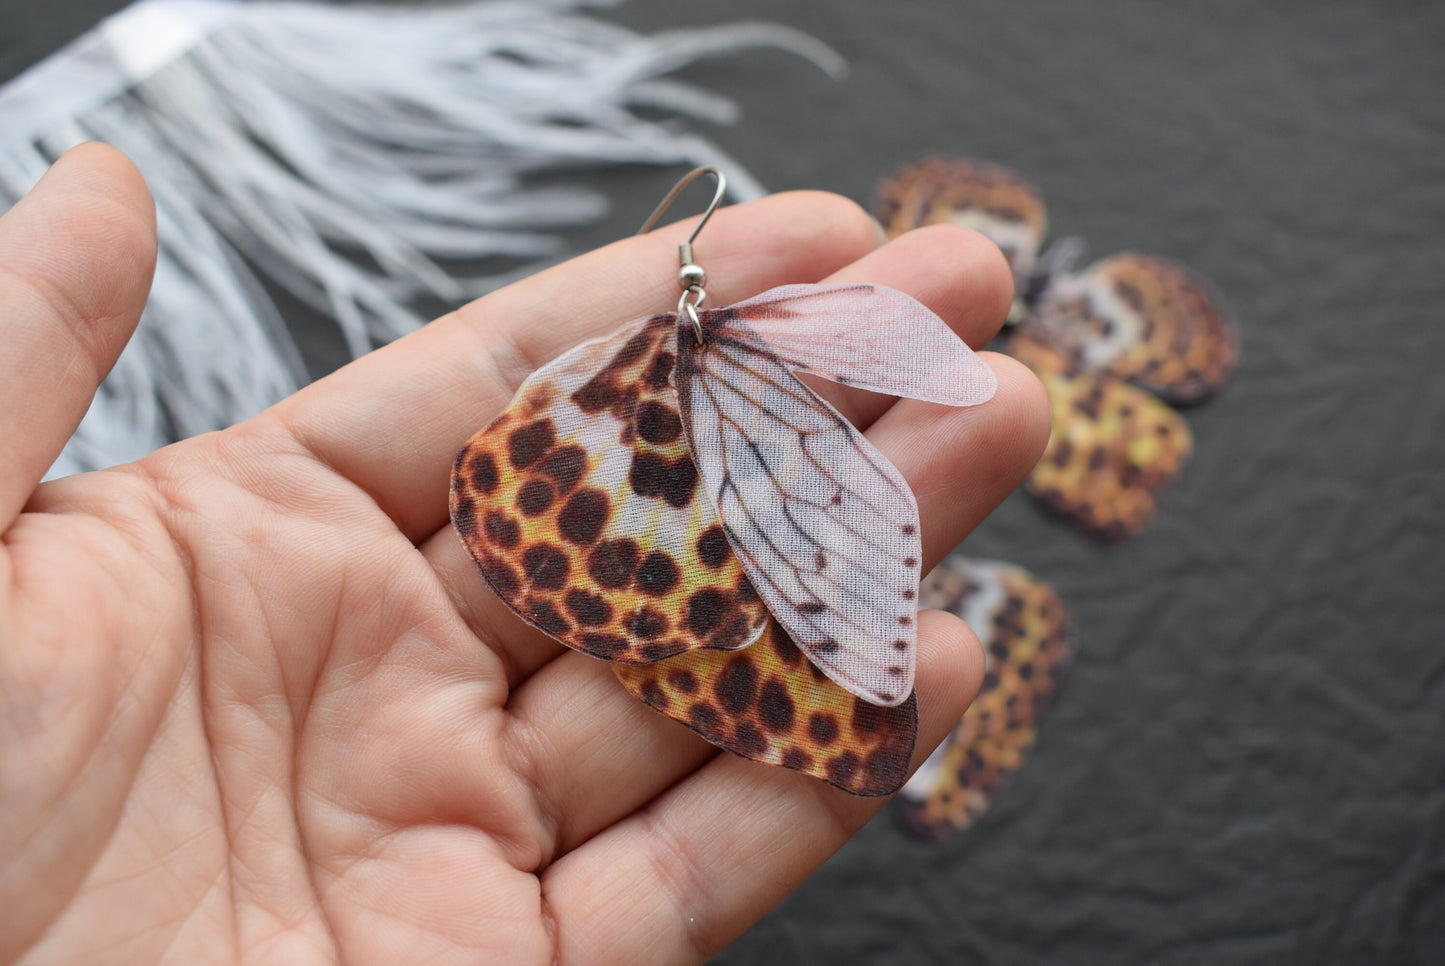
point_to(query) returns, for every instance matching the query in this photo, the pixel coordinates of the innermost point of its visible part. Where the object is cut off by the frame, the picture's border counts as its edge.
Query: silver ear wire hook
(690, 275)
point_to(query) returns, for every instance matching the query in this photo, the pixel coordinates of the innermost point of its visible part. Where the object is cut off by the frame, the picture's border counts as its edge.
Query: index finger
(392, 421)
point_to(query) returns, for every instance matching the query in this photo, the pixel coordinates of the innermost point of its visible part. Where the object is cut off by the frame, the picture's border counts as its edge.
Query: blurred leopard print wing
(1112, 449)
(1027, 642)
(1143, 319)
(991, 200)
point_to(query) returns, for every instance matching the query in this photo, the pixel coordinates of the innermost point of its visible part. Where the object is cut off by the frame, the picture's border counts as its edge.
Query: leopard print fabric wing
(580, 504)
(1027, 643)
(1143, 319)
(991, 200)
(1112, 450)
(1112, 343)
(771, 704)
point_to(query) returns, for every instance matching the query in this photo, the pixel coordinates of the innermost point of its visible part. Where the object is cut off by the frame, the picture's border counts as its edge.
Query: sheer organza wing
(868, 336)
(826, 528)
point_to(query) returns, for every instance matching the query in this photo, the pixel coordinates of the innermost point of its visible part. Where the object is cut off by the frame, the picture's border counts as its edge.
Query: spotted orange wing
(1113, 448)
(580, 504)
(771, 704)
(1027, 642)
(1143, 319)
(990, 199)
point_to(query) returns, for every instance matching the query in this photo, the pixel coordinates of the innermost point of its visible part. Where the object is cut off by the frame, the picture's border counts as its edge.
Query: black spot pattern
(565, 466)
(842, 768)
(464, 514)
(705, 610)
(484, 473)
(673, 481)
(530, 443)
(648, 623)
(535, 497)
(546, 566)
(583, 516)
(501, 529)
(736, 687)
(822, 728)
(775, 706)
(886, 765)
(655, 377)
(658, 574)
(613, 562)
(712, 547)
(604, 645)
(546, 616)
(632, 351)
(653, 694)
(501, 577)
(786, 650)
(797, 759)
(748, 739)
(589, 610)
(867, 718)
(705, 719)
(1063, 453)
(747, 593)
(597, 394)
(733, 634)
(656, 652)
(657, 423)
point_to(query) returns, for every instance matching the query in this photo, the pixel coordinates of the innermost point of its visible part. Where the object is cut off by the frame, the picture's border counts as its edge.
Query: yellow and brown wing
(1143, 319)
(1027, 642)
(989, 199)
(1112, 450)
(769, 703)
(581, 506)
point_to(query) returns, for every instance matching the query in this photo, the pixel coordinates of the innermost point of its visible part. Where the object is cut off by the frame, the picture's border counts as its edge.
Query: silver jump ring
(690, 309)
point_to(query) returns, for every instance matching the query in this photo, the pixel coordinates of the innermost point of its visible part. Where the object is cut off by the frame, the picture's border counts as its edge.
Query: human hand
(257, 705)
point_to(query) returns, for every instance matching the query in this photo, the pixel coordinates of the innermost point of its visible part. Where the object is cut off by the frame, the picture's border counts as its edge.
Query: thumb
(76, 257)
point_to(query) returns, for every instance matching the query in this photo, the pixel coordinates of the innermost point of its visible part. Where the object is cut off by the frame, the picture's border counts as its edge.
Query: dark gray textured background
(1247, 763)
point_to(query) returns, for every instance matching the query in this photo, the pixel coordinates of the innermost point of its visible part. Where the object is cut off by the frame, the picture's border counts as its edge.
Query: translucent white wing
(862, 335)
(826, 528)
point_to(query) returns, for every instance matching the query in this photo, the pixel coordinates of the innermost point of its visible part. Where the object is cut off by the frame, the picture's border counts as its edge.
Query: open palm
(255, 703)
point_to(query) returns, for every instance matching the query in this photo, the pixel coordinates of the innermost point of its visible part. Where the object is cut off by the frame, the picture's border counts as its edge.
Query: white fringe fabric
(281, 140)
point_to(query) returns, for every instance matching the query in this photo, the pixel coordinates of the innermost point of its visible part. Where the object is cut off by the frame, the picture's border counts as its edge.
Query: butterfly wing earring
(673, 499)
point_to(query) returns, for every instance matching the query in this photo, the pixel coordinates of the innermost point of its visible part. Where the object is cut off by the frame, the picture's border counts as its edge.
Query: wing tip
(888, 699)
